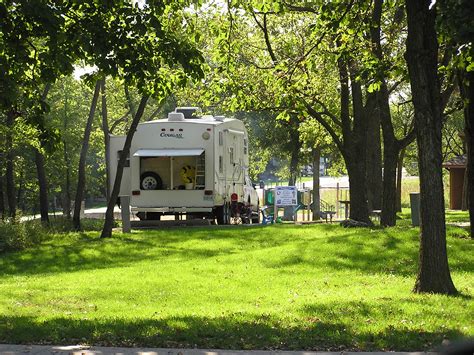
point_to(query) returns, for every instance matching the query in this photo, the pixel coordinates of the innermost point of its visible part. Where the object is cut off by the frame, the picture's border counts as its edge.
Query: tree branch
(326, 112)
(264, 29)
(304, 56)
(318, 117)
(410, 137)
(116, 122)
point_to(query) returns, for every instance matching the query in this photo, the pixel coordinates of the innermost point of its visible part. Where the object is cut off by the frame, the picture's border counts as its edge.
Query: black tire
(150, 181)
(223, 214)
(149, 216)
(256, 218)
(256, 214)
(153, 216)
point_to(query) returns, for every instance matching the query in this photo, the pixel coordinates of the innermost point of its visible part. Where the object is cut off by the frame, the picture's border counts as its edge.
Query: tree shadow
(401, 330)
(371, 251)
(329, 246)
(234, 331)
(88, 253)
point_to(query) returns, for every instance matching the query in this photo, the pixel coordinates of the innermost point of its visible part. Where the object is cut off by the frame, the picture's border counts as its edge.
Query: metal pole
(125, 211)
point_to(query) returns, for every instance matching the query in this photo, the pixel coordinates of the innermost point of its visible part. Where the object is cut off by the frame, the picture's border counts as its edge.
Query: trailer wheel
(150, 181)
(256, 215)
(149, 216)
(223, 214)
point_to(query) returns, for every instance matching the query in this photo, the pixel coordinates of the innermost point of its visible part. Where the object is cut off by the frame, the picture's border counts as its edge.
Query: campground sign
(286, 196)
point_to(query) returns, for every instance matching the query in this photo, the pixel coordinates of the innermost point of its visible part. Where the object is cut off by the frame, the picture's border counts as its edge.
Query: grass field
(277, 287)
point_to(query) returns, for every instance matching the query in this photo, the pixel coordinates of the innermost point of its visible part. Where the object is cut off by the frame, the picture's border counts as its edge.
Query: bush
(64, 225)
(17, 235)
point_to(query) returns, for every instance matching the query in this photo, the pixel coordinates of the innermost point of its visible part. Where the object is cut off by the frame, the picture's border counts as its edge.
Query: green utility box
(269, 197)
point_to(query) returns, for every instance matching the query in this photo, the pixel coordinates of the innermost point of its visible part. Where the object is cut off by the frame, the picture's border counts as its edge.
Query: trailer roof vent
(188, 112)
(219, 118)
(175, 116)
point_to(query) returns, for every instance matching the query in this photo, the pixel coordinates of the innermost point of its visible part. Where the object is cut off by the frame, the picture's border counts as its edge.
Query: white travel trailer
(190, 165)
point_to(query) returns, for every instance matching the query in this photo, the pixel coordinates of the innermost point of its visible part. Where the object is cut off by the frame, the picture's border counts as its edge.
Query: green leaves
(373, 87)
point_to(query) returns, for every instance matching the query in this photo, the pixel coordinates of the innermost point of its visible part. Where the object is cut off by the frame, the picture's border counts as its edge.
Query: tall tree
(81, 178)
(36, 47)
(9, 170)
(42, 180)
(468, 94)
(457, 22)
(109, 214)
(285, 75)
(171, 59)
(422, 59)
(392, 145)
(105, 129)
(2, 198)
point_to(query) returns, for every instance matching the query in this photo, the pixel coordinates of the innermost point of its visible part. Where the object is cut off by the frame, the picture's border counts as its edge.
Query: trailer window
(221, 138)
(245, 145)
(221, 164)
(127, 162)
(231, 155)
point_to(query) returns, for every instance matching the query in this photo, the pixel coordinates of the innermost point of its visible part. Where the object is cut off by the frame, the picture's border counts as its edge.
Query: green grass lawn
(317, 287)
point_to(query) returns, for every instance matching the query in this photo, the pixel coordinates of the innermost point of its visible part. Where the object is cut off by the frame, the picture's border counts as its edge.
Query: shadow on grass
(393, 251)
(86, 253)
(370, 251)
(225, 332)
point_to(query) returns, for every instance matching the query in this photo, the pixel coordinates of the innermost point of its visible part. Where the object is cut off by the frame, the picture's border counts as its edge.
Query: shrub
(64, 225)
(17, 235)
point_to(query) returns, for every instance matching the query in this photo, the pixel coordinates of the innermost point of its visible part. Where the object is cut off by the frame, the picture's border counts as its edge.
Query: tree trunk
(358, 196)
(391, 152)
(401, 157)
(422, 59)
(42, 181)
(9, 171)
(374, 158)
(67, 186)
(43, 186)
(295, 155)
(469, 134)
(391, 146)
(288, 214)
(81, 178)
(109, 214)
(389, 200)
(316, 193)
(2, 198)
(356, 156)
(353, 145)
(19, 192)
(293, 168)
(105, 129)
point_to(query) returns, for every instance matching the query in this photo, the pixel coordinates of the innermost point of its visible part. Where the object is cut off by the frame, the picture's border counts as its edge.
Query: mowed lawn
(318, 287)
